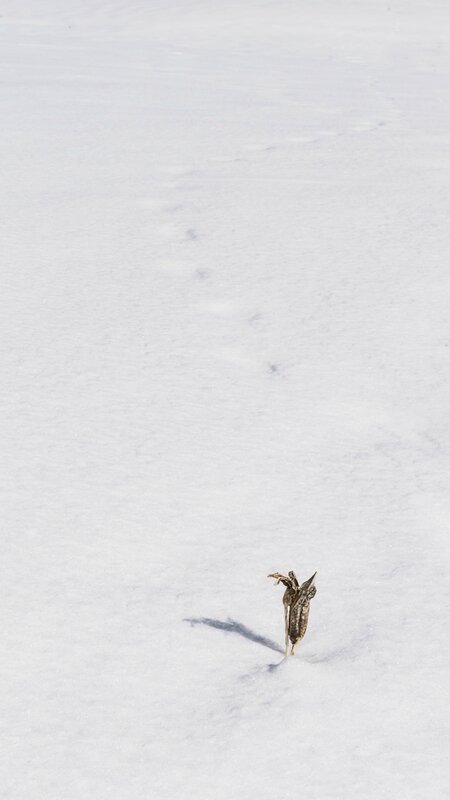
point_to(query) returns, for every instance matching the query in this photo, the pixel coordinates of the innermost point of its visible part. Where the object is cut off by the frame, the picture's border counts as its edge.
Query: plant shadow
(232, 626)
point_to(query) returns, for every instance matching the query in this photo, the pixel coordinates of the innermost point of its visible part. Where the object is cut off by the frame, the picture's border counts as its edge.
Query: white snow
(225, 351)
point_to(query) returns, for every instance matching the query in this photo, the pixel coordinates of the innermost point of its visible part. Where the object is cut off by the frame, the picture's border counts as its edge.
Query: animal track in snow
(314, 137)
(255, 319)
(177, 233)
(202, 274)
(274, 369)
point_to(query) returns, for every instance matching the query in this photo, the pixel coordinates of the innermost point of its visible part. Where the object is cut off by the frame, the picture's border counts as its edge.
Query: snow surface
(225, 351)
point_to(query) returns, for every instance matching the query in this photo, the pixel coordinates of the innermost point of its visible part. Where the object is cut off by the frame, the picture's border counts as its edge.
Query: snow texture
(225, 351)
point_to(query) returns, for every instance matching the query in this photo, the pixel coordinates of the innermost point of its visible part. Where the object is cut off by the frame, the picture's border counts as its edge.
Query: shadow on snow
(232, 626)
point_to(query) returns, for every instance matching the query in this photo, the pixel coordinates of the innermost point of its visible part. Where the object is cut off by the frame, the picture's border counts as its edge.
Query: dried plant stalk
(296, 601)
